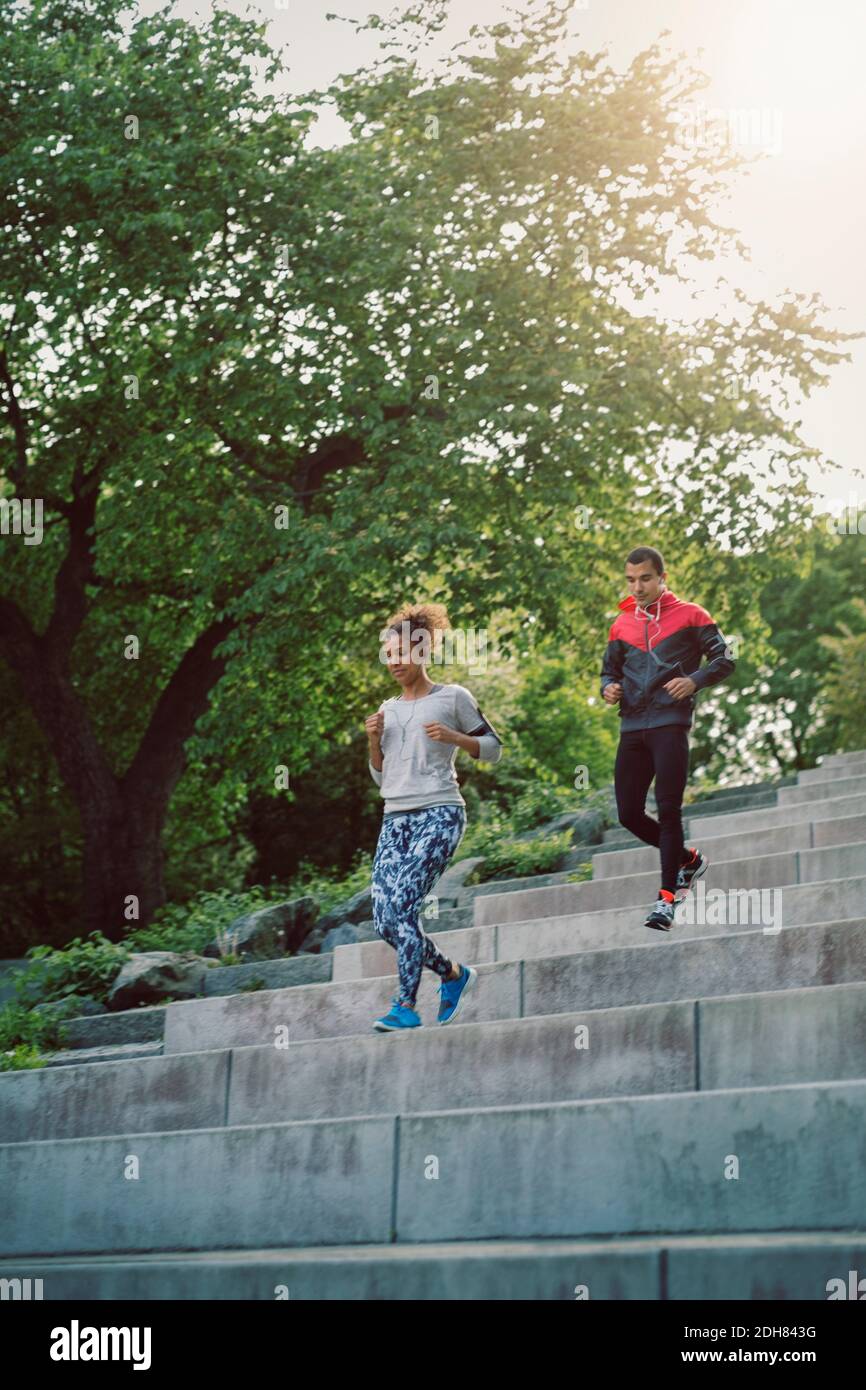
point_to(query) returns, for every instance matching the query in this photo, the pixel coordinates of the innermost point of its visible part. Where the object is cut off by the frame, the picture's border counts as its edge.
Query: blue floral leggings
(413, 850)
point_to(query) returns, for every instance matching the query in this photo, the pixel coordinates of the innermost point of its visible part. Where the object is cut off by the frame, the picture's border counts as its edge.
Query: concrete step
(730, 963)
(841, 786)
(138, 1032)
(76, 1057)
(842, 759)
(802, 1265)
(854, 768)
(772, 1158)
(754, 871)
(769, 818)
(716, 806)
(764, 818)
(737, 796)
(126, 1028)
(536, 1164)
(304, 969)
(728, 1042)
(768, 909)
(721, 848)
(122, 1030)
(579, 855)
(667, 967)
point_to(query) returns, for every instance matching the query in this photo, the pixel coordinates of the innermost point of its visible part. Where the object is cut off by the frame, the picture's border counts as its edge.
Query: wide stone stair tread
(580, 1115)
(794, 1264)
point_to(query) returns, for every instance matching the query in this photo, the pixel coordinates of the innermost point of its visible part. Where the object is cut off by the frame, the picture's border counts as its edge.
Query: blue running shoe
(398, 1018)
(453, 992)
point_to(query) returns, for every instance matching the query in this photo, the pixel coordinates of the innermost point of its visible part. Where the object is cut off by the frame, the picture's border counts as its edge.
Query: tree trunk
(123, 865)
(122, 818)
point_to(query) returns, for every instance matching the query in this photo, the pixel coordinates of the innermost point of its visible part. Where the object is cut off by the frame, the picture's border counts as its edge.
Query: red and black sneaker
(661, 915)
(692, 869)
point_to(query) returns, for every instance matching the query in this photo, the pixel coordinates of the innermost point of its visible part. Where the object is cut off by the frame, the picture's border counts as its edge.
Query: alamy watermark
(456, 646)
(714, 127)
(851, 520)
(17, 518)
(731, 906)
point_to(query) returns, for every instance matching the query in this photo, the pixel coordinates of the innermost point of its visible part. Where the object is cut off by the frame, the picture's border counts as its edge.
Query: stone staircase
(629, 1113)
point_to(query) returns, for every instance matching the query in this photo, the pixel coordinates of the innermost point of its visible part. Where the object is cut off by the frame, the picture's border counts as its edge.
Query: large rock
(449, 885)
(347, 933)
(354, 910)
(587, 827)
(269, 932)
(153, 975)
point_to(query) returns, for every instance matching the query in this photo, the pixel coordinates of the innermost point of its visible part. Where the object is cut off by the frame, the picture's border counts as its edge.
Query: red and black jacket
(646, 648)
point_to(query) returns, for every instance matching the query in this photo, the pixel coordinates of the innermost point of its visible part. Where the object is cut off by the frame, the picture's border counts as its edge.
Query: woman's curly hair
(427, 618)
(432, 617)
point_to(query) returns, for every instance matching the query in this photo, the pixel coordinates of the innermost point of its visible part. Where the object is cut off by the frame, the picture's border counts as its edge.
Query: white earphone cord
(656, 619)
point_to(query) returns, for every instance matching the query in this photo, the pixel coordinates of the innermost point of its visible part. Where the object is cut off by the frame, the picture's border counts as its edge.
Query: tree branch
(18, 472)
(73, 573)
(160, 759)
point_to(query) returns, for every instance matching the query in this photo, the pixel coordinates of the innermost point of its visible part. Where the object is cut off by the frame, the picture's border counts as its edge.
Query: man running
(652, 668)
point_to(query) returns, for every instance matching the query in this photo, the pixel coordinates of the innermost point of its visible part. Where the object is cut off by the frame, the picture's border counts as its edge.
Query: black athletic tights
(662, 753)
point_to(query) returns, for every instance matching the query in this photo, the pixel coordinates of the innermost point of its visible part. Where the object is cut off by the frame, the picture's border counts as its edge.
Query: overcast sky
(795, 64)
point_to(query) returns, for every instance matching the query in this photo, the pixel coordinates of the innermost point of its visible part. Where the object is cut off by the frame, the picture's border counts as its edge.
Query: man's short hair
(646, 552)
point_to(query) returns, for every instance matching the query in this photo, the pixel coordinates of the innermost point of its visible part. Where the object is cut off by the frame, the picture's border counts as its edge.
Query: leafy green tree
(846, 679)
(264, 389)
(782, 710)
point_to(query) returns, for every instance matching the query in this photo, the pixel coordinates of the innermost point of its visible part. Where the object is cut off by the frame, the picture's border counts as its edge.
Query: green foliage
(59, 977)
(560, 722)
(85, 966)
(784, 708)
(581, 874)
(190, 926)
(22, 1057)
(25, 1035)
(331, 889)
(541, 802)
(263, 381)
(509, 858)
(846, 679)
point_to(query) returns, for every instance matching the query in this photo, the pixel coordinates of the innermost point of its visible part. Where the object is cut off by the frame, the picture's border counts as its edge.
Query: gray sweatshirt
(417, 770)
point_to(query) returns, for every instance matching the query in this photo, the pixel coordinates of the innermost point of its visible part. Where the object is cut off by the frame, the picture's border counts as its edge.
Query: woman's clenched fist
(375, 724)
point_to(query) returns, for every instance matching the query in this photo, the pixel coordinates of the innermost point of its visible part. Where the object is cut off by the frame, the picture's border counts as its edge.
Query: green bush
(21, 1058)
(508, 858)
(543, 801)
(81, 967)
(192, 925)
(25, 1035)
(331, 889)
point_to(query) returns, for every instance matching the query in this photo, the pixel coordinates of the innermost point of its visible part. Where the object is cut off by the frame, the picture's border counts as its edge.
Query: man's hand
(612, 692)
(441, 733)
(681, 687)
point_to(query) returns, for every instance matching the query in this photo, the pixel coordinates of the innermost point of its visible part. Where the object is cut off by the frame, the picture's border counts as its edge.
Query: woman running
(413, 740)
